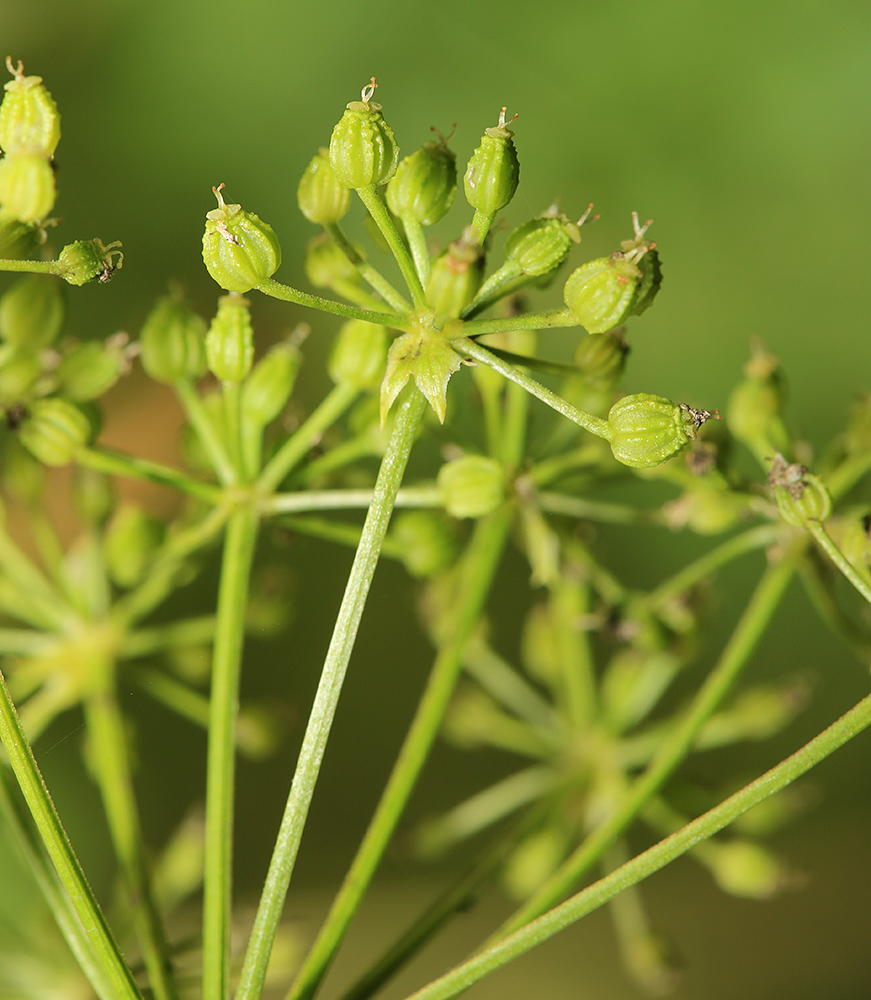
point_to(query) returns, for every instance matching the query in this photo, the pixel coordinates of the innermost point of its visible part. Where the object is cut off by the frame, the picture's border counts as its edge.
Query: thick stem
(220, 773)
(327, 697)
(114, 463)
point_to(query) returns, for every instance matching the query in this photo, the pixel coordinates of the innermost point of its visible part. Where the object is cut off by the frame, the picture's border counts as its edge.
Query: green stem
(231, 398)
(173, 635)
(822, 538)
(480, 565)
(324, 707)
(424, 497)
(93, 924)
(594, 510)
(417, 243)
(297, 445)
(594, 425)
(36, 601)
(674, 749)
(34, 266)
(220, 770)
(23, 642)
(111, 768)
(206, 431)
(285, 293)
(481, 223)
(559, 319)
(651, 860)
(381, 217)
(391, 296)
(115, 463)
(493, 288)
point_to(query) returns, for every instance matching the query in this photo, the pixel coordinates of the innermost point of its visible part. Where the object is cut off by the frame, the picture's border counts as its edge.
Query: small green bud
(322, 199)
(493, 172)
(230, 340)
(424, 185)
(23, 475)
(359, 355)
(32, 312)
(268, 387)
(534, 860)
(29, 119)
(18, 240)
(89, 369)
(19, 369)
(800, 495)
(743, 868)
(85, 260)
(604, 293)
(601, 358)
(425, 540)
(539, 246)
(754, 411)
(131, 540)
(172, 341)
(240, 251)
(27, 187)
(363, 149)
(471, 486)
(646, 430)
(54, 430)
(455, 277)
(93, 494)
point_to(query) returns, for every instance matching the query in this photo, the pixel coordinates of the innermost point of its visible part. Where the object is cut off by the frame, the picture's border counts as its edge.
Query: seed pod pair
(29, 134)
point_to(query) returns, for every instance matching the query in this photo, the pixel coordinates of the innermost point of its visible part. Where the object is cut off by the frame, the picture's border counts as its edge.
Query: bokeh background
(742, 129)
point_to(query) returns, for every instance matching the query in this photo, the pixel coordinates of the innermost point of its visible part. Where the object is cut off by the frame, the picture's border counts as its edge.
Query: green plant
(588, 695)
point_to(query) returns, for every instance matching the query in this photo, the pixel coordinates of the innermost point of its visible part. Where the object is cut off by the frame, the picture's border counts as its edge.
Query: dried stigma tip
(368, 91)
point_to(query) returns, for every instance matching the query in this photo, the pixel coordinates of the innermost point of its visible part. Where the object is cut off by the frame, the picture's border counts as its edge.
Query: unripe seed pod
(85, 260)
(90, 369)
(743, 868)
(800, 495)
(425, 540)
(363, 149)
(29, 119)
(172, 342)
(322, 199)
(93, 494)
(32, 312)
(240, 251)
(541, 245)
(471, 486)
(646, 430)
(424, 185)
(753, 414)
(327, 266)
(19, 369)
(604, 293)
(54, 430)
(230, 340)
(268, 387)
(493, 172)
(131, 540)
(359, 355)
(27, 188)
(455, 277)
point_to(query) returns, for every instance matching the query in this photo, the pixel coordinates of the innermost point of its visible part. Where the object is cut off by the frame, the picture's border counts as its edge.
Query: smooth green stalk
(391, 296)
(823, 539)
(540, 364)
(467, 347)
(276, 290)
(480, 565)
(34, 266)
(481, 223)
(115, 463)
(37, 602)
(206, 431)
(323, 710)
(231, 399)
(93, 925)
(110, 764)
(304, 437)
(417, 243)
(381, 217)
(340, 456)
(823, 602)
(594, 510)
(556, 467)
(747, 633)
(183, 700)
(173, 635)
(23, 642)
(18, 823)
(651, 860)
(220, 769)
(424, 497)
(559, 319)
(498, 284)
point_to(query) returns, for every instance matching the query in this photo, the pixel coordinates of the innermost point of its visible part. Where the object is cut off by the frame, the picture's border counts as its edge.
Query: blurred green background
(741, 128)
